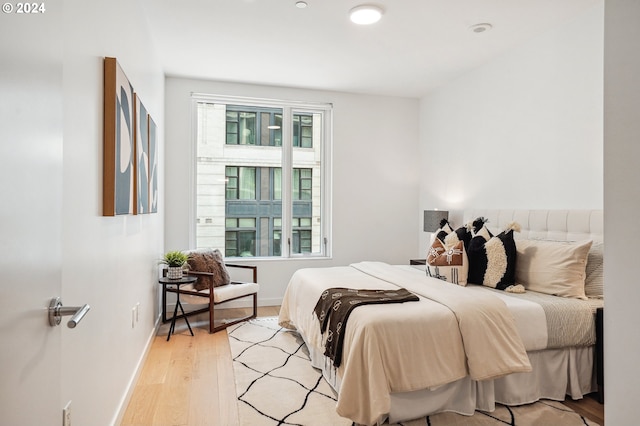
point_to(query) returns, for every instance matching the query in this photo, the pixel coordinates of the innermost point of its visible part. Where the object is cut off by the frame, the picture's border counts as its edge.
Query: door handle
(57, 311)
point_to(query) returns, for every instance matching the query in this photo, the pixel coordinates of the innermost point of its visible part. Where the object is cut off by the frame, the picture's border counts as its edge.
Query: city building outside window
(262, 185)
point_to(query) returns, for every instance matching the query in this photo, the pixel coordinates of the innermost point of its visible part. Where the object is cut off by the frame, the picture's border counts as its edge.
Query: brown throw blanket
(335, 305)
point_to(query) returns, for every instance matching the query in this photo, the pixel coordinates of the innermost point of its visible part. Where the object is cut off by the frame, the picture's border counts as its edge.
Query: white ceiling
(418, 44)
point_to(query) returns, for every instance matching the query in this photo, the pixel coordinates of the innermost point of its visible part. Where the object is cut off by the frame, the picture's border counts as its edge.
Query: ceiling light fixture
(480, 28)
(301, 4)
(365, 14)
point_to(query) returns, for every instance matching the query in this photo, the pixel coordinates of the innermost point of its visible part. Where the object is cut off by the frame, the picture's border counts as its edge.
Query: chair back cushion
(211, 262)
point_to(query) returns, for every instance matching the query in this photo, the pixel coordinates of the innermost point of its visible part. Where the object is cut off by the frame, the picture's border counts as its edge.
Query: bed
(448, 351)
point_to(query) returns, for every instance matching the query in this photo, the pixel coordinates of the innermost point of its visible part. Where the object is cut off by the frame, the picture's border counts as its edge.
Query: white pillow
(552, 267)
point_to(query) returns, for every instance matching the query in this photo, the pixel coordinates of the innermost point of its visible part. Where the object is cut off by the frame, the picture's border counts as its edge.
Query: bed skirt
(556, 374)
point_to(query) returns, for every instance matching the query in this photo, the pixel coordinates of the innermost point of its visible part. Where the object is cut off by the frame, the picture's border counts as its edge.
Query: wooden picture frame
(119, 149)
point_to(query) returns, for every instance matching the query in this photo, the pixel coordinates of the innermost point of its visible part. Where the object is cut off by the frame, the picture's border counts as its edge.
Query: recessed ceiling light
(301, 4)
(365, 14)
(480, 28)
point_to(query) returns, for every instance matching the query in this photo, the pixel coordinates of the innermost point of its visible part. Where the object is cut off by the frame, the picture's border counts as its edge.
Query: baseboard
(124, 402)
(275, 301)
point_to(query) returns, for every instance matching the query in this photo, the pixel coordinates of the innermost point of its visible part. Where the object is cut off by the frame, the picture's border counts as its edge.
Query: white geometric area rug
(276, 385)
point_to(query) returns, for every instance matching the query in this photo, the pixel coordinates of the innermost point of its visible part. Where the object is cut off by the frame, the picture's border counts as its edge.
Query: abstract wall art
(141, 120)
(130, 164)
(153, 166)
(119, 148)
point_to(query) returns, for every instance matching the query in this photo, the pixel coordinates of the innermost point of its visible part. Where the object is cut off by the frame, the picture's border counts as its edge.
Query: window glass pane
(277, 183)
(240, 163)
(306, 120)
(277, 240)
(277, 132)
(247, 223)
(307, 175)
(296, 184)
(302, 184)
(231, 180)
(232, 127)
(305, 221)
(247, 185)
(296, 130)
(246, 243)
(306, 131)
(247, 128)
(231, 244)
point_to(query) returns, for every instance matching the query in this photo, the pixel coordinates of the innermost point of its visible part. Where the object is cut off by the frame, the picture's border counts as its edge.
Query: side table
(177, 282)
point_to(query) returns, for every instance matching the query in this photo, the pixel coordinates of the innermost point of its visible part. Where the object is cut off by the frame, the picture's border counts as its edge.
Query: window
(241, 183)
(261, 177)
(302, 184)
(241, 128)
(303, 131)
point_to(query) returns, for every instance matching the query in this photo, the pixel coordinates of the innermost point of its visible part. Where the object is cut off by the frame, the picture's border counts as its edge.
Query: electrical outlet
(137, 311)
(66, 414)
(133, 317)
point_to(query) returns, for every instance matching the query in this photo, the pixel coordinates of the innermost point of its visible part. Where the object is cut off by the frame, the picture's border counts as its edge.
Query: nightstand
(417, 261)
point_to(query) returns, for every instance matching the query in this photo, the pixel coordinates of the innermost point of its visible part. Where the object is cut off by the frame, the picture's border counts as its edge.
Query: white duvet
(451, 333)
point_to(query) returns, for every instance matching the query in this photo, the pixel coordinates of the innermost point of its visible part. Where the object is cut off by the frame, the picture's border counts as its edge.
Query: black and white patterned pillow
(461, 234)
(476, 253)
(444, 230)
(492, 259)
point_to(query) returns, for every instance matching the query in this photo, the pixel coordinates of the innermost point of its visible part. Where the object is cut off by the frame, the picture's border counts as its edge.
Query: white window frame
(288, 108)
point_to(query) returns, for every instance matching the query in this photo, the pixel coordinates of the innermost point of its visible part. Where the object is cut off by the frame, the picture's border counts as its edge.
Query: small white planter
(174, 272)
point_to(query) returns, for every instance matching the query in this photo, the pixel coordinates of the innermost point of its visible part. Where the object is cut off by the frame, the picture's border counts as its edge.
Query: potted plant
(175, 261)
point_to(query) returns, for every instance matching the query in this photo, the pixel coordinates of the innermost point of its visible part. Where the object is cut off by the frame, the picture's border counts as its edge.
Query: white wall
(375, 176)
(522, 131)
(108, 262)
(622, 202)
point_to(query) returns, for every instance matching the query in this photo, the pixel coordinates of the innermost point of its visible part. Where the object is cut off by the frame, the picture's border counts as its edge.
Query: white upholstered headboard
(560, 225)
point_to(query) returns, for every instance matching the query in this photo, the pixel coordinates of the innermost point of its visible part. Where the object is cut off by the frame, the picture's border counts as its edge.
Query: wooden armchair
(213, 296)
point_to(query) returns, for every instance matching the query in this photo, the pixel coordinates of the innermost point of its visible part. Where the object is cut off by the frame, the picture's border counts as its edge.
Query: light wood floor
(189, 380)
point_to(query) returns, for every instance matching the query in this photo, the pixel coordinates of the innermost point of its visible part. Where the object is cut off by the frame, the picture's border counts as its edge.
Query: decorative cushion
(478, 262)
(461, 234)
(210, 261)
(594, 281)
(553, 267)
(496, 258)
(448, 263)
(444, 230)
(501, 259)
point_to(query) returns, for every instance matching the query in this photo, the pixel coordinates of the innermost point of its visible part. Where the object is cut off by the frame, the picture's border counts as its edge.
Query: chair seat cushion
(231, 291)
(222, 293)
